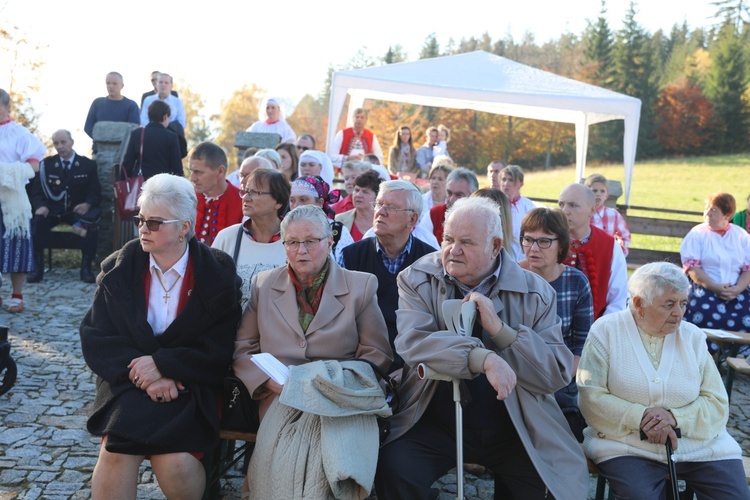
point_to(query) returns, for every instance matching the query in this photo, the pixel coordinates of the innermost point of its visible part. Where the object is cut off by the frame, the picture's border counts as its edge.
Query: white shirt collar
(180, 267)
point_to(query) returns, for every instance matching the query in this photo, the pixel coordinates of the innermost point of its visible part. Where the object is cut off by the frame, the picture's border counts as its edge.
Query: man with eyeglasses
(510, 361)
(154, 81)
(219, 203)
(393, 249)
(594, 252)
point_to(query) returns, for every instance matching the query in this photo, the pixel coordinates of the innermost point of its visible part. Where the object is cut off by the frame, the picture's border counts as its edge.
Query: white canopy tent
(486, 82)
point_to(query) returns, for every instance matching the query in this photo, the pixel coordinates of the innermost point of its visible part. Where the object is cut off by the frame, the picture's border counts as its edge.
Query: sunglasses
(302, 148)
(152, 224)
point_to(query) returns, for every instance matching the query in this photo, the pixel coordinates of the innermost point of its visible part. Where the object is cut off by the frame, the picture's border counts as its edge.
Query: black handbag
(240, 411)
(391, 397)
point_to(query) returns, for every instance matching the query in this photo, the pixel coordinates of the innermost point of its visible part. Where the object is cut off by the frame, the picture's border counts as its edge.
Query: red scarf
(720, 232)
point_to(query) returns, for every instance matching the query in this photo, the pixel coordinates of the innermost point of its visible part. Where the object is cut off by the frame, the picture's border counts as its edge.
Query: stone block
(11, 436)
(12, 476)
(244, 140)
(112, 132)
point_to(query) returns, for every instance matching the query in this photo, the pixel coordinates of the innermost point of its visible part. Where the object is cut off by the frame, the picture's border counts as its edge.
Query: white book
(272, 367)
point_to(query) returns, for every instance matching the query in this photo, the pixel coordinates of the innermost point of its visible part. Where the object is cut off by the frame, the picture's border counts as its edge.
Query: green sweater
(740, 218)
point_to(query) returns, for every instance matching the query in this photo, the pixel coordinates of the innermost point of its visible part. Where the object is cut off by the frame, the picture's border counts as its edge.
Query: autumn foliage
(685, 118)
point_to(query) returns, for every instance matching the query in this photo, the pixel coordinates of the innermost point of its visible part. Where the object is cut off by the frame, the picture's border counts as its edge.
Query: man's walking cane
(459, 318)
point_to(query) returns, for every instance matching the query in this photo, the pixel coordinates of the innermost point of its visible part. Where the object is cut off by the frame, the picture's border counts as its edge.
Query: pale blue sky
(284, 47)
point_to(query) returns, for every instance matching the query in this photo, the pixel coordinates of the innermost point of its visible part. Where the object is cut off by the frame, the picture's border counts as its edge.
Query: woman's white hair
(655, 279)
(478, 208)
(173, 194)
(307, 213)
(270, 155)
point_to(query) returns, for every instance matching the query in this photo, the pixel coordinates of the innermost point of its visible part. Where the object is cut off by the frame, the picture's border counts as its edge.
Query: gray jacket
(531, 343)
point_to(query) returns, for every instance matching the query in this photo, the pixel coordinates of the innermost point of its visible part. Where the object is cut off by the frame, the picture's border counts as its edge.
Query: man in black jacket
(392, 250)
(66, 189)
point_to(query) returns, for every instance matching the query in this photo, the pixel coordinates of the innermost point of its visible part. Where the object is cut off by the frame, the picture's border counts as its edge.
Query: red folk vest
(594, 259)
(437, 216)
(346, 144)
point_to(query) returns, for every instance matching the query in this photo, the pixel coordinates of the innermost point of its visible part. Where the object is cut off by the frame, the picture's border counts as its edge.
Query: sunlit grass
(680, 184)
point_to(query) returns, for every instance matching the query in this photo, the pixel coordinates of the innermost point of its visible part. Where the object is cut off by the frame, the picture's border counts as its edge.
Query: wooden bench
(734, 365)
(224, 457)
(62, 238)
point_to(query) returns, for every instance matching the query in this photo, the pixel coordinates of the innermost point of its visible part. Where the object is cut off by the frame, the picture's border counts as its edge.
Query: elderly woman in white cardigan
(644, 370)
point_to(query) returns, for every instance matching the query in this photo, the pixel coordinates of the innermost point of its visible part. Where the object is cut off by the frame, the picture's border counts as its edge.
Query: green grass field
(680, 183)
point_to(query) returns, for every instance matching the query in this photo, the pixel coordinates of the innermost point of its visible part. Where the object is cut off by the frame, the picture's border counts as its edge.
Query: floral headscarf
(318, 189)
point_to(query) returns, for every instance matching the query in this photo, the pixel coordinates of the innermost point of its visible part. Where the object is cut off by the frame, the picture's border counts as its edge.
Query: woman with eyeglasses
(545, 239)
(309, 310)
(159, 336)
(255, 244)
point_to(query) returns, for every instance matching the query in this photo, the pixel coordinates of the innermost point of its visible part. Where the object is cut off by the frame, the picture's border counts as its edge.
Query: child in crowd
(607, 218)
(444, 137)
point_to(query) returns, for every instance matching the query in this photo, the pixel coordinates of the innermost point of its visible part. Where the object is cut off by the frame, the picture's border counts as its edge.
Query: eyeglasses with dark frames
(152, 224)
(543, 243)
(309, 243)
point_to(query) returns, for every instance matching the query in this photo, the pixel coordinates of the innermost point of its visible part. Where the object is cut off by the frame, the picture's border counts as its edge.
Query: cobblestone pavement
(45, 450)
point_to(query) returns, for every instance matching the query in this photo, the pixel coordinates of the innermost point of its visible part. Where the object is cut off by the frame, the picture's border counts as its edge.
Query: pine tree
(395, 54)
(605, 139)
(431, 48)
(637, 74)
(737, 12)
(598, 45)
(725, 85)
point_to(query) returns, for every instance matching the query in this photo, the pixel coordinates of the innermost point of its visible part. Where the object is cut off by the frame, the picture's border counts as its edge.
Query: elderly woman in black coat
(160, 337)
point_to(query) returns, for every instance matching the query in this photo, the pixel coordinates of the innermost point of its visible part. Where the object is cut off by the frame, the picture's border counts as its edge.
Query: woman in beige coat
(309, 310)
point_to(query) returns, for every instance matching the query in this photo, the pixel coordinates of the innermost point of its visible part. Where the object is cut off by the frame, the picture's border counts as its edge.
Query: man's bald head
(577, 203)
(579, 192)
(63, 143)
(251, 163)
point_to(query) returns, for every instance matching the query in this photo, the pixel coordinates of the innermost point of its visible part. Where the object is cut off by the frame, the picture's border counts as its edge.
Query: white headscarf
(319, 157)
(262, 116)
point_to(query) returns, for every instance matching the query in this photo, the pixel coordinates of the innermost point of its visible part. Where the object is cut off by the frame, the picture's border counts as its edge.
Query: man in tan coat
(510, 365)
